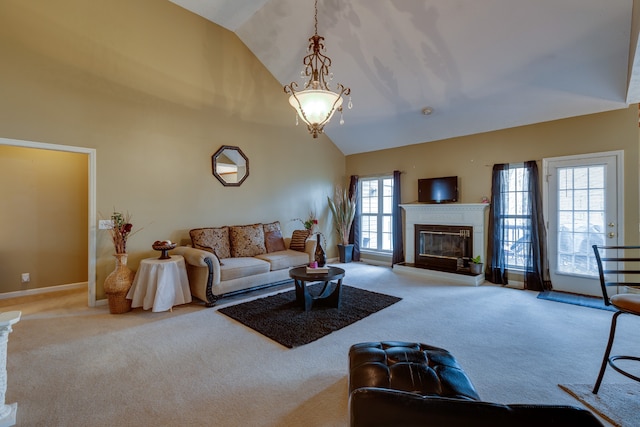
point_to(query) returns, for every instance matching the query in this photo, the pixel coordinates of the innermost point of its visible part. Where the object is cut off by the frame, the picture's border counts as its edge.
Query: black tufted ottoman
(413, 367)
(393, 383)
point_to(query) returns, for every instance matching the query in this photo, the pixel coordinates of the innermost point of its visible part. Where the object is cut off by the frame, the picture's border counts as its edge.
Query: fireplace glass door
(443, 247)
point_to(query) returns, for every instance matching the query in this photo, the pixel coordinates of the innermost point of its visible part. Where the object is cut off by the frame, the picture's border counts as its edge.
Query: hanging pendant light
(316, 103)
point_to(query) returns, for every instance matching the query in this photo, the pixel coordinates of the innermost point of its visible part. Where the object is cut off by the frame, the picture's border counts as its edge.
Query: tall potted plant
(343, 208)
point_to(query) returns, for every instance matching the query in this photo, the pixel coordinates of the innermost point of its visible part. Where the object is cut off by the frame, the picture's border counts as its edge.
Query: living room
(153, 91)
(155, 111)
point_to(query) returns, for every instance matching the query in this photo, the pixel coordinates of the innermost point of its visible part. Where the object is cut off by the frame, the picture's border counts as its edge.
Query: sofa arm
(378, 407)
(310, 249)
(203, 271)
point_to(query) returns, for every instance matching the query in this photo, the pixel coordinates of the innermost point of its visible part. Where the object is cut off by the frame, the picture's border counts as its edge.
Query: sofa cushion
(214, 240)
(285, 259)
(298, 238)
(235, 268)
(246, 240)
(273, 240)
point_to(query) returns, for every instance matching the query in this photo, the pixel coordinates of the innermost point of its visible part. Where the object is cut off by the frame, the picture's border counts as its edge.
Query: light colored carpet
(619, 404)
(70, 365)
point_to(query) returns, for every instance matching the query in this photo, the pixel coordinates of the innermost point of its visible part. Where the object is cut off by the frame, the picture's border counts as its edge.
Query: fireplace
(469, 217)
(443, 247)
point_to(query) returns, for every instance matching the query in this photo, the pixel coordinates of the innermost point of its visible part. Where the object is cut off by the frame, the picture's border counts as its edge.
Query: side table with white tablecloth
(160, 284)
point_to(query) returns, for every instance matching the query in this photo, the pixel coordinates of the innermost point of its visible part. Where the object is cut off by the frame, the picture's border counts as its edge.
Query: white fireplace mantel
(468, 214)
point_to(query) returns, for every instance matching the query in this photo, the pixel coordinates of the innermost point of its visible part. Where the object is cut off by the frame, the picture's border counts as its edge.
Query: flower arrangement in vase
(120, 230)
(310, 223)
(118, 282)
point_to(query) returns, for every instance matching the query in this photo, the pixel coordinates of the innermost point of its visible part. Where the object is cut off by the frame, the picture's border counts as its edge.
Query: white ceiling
(482, 65)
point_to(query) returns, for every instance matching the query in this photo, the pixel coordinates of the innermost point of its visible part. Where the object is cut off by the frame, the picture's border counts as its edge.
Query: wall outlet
(26, 277)
(105, 224)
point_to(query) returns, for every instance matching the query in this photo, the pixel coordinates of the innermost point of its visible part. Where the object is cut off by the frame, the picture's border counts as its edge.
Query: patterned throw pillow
(247, 240)
(215, 240)
(272, 226)
(298, 238)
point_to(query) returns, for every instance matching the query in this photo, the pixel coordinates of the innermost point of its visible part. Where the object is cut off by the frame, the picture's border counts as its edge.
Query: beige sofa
(223, 261)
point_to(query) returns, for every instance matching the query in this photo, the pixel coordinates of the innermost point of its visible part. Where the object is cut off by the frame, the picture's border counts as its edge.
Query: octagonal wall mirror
(230, 166)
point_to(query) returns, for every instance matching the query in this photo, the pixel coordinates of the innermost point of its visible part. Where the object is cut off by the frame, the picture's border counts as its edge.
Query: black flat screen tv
(438, 190)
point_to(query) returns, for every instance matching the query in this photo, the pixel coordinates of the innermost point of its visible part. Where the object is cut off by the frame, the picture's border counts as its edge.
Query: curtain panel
(496, 271)
(396, 222)
(354, 234)
(533, 242)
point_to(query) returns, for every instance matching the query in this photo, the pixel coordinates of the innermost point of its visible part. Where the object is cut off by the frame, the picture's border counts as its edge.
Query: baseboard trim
(376, 262)
(48, 289)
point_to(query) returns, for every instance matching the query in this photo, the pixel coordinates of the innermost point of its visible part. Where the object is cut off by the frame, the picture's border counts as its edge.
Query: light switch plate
(105, 224)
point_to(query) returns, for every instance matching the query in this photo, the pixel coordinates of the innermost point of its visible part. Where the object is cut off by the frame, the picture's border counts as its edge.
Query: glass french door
(582, 210)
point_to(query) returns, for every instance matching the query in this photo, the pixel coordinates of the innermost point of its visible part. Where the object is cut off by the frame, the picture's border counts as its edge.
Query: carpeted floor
(618, 404)
(280, 318)
(71, 365)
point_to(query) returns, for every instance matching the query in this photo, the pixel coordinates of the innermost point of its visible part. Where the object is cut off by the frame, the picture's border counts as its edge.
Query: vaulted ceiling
(480, 65)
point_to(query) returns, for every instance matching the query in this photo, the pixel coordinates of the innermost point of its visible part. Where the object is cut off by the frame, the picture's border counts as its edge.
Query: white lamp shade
(318, 105)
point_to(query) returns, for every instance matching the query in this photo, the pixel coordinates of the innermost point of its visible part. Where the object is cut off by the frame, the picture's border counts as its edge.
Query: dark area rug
(281, 319)
(568, 298)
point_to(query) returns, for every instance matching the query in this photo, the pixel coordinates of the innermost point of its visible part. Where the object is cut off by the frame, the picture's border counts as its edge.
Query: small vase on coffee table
(320, 257)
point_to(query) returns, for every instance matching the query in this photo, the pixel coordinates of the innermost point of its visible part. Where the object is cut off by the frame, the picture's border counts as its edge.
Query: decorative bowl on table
(164, 246)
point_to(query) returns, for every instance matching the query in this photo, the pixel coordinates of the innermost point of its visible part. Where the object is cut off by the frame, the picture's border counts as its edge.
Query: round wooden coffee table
(327, 296)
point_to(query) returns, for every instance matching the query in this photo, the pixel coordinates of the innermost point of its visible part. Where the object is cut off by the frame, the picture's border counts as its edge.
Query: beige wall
(44, 218)
(471, 158)
(156, 90)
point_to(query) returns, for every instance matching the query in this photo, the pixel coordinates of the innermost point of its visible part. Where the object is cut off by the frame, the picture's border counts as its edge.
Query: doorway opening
(91, 208)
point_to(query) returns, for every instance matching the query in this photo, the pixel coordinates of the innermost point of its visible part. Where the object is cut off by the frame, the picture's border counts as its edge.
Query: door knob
(612, 235)
(611, 224)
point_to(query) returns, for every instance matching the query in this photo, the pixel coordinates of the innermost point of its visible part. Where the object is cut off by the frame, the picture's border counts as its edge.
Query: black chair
(616, 267)
(408, 384)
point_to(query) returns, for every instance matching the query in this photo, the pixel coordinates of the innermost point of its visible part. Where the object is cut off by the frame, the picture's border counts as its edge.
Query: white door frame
(619, 159)
(91, 152)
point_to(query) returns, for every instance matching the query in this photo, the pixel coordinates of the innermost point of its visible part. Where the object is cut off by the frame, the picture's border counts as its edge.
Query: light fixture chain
(315, 17)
